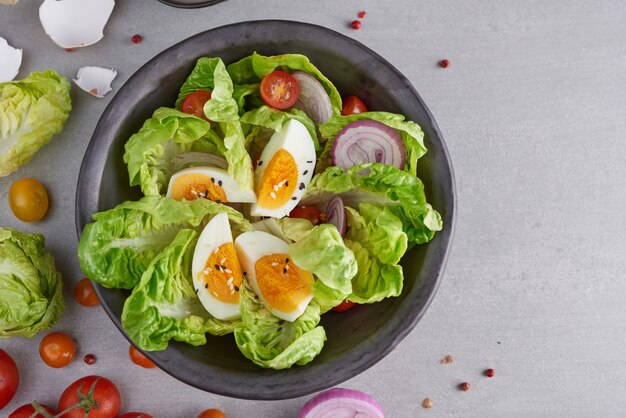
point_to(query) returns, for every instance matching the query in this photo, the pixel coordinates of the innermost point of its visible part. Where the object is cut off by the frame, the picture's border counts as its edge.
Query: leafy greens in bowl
(355, 339)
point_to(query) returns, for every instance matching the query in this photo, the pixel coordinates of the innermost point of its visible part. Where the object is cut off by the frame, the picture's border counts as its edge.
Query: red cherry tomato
(194, 102)
(85, 294)
(106, 397)
(57, 349)
(211, 413)
(344, 306)
(27, 411)
(9, 378)
(311, 213)
(279, 90)
(352, 105)
(139, 359)
(135, 415)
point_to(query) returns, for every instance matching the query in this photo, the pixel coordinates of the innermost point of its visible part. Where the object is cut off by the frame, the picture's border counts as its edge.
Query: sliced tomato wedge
(352, 105)
(311, 213)
(194, 102)
(279, 90)
(344, 306)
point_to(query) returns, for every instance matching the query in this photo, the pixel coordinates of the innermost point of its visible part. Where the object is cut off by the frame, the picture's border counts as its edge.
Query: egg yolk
(194, 186)
(279, 180)
(283, 284)
(222, 274)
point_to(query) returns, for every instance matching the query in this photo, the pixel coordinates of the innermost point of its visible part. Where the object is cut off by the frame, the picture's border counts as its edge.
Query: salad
(268, 201)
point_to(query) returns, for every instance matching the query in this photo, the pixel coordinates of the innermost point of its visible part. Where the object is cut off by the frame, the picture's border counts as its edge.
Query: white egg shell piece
(10, 61)
(234, 193)
(294, 138)
(253, 245)
(215, 234)
(75, 23)
(95, 80)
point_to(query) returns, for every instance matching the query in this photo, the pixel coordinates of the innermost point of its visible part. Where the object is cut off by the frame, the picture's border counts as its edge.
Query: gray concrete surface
(533, 109)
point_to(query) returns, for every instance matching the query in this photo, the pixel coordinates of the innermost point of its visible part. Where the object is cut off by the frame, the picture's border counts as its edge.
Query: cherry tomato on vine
(139, 359)
(27, 411)
(211, 413)
(57, 349)
(101, 400)
(9, 378)
(279, 90)
(28, 200)
(194, 102)
(85, 294)
(352, 105)
(311, 213)
(344, 306)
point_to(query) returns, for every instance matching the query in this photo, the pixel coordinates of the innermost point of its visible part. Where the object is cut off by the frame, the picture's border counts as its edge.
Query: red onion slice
(336, 214)
(368, 141)
(312, 99)
(193, 159)
(342, 403)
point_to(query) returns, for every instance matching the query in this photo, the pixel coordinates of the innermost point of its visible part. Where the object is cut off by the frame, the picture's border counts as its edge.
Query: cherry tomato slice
(85, 294)
(139, 359)
(211, 413)
(27, 411)
(352, 105)
(279, 90)
(57, 349)
(194, 102)
(311, 213)
(9, 378)
(28, 200)
(344, 306)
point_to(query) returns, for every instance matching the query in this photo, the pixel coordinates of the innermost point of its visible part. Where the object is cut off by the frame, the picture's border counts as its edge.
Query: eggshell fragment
(10, 61)
(95, 80)
(75, 23)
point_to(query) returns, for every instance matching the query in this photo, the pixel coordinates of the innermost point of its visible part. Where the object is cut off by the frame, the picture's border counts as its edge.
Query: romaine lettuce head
(31, 298)
(32, 111)
(117, 248)
(271, 342)
(253, 68)
(383, 185)
(164, 305)
(410, 132)
(152, 152)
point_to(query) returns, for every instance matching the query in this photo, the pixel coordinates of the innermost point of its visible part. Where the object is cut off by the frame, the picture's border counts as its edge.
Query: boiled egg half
(209, 183)
(216, 270)
(284, 170)
(283, 287)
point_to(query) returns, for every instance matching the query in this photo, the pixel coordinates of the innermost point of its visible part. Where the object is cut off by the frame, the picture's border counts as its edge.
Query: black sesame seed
(282, 321)
(217, 267)
(280, 328)
(302, 186)
(259, 163)
(256, 297)
(310, 162)
(284, 270)
(245, 273)
(197, 290)
(286, 260)
(294, 198)
(286, 184)
(206, 286)
(223, 267)
(219, 182)
(305, 172)
(212, 179)
(236, 288)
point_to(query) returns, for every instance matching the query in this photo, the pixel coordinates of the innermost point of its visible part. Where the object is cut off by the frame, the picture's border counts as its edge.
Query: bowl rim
(85, 193)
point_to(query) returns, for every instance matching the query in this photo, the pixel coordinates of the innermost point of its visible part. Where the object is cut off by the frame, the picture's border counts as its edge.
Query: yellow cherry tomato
(28, 200)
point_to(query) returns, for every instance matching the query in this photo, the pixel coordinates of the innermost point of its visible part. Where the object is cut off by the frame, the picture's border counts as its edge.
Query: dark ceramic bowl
(357, 339)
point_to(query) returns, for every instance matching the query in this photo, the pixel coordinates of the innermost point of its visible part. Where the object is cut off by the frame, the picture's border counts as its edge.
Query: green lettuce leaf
(151, 152)
(31, 298)
(376, 237)
(223, 109)
(117, 248)
(32, 111)
(253, 68)
(384, 185)
(323, 253)
(410, 132)
(274, 119)
(164, 305)
(271, 342)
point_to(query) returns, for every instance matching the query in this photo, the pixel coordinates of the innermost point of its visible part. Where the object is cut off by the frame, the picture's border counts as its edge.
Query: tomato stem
(85, 402)
(40, 410)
